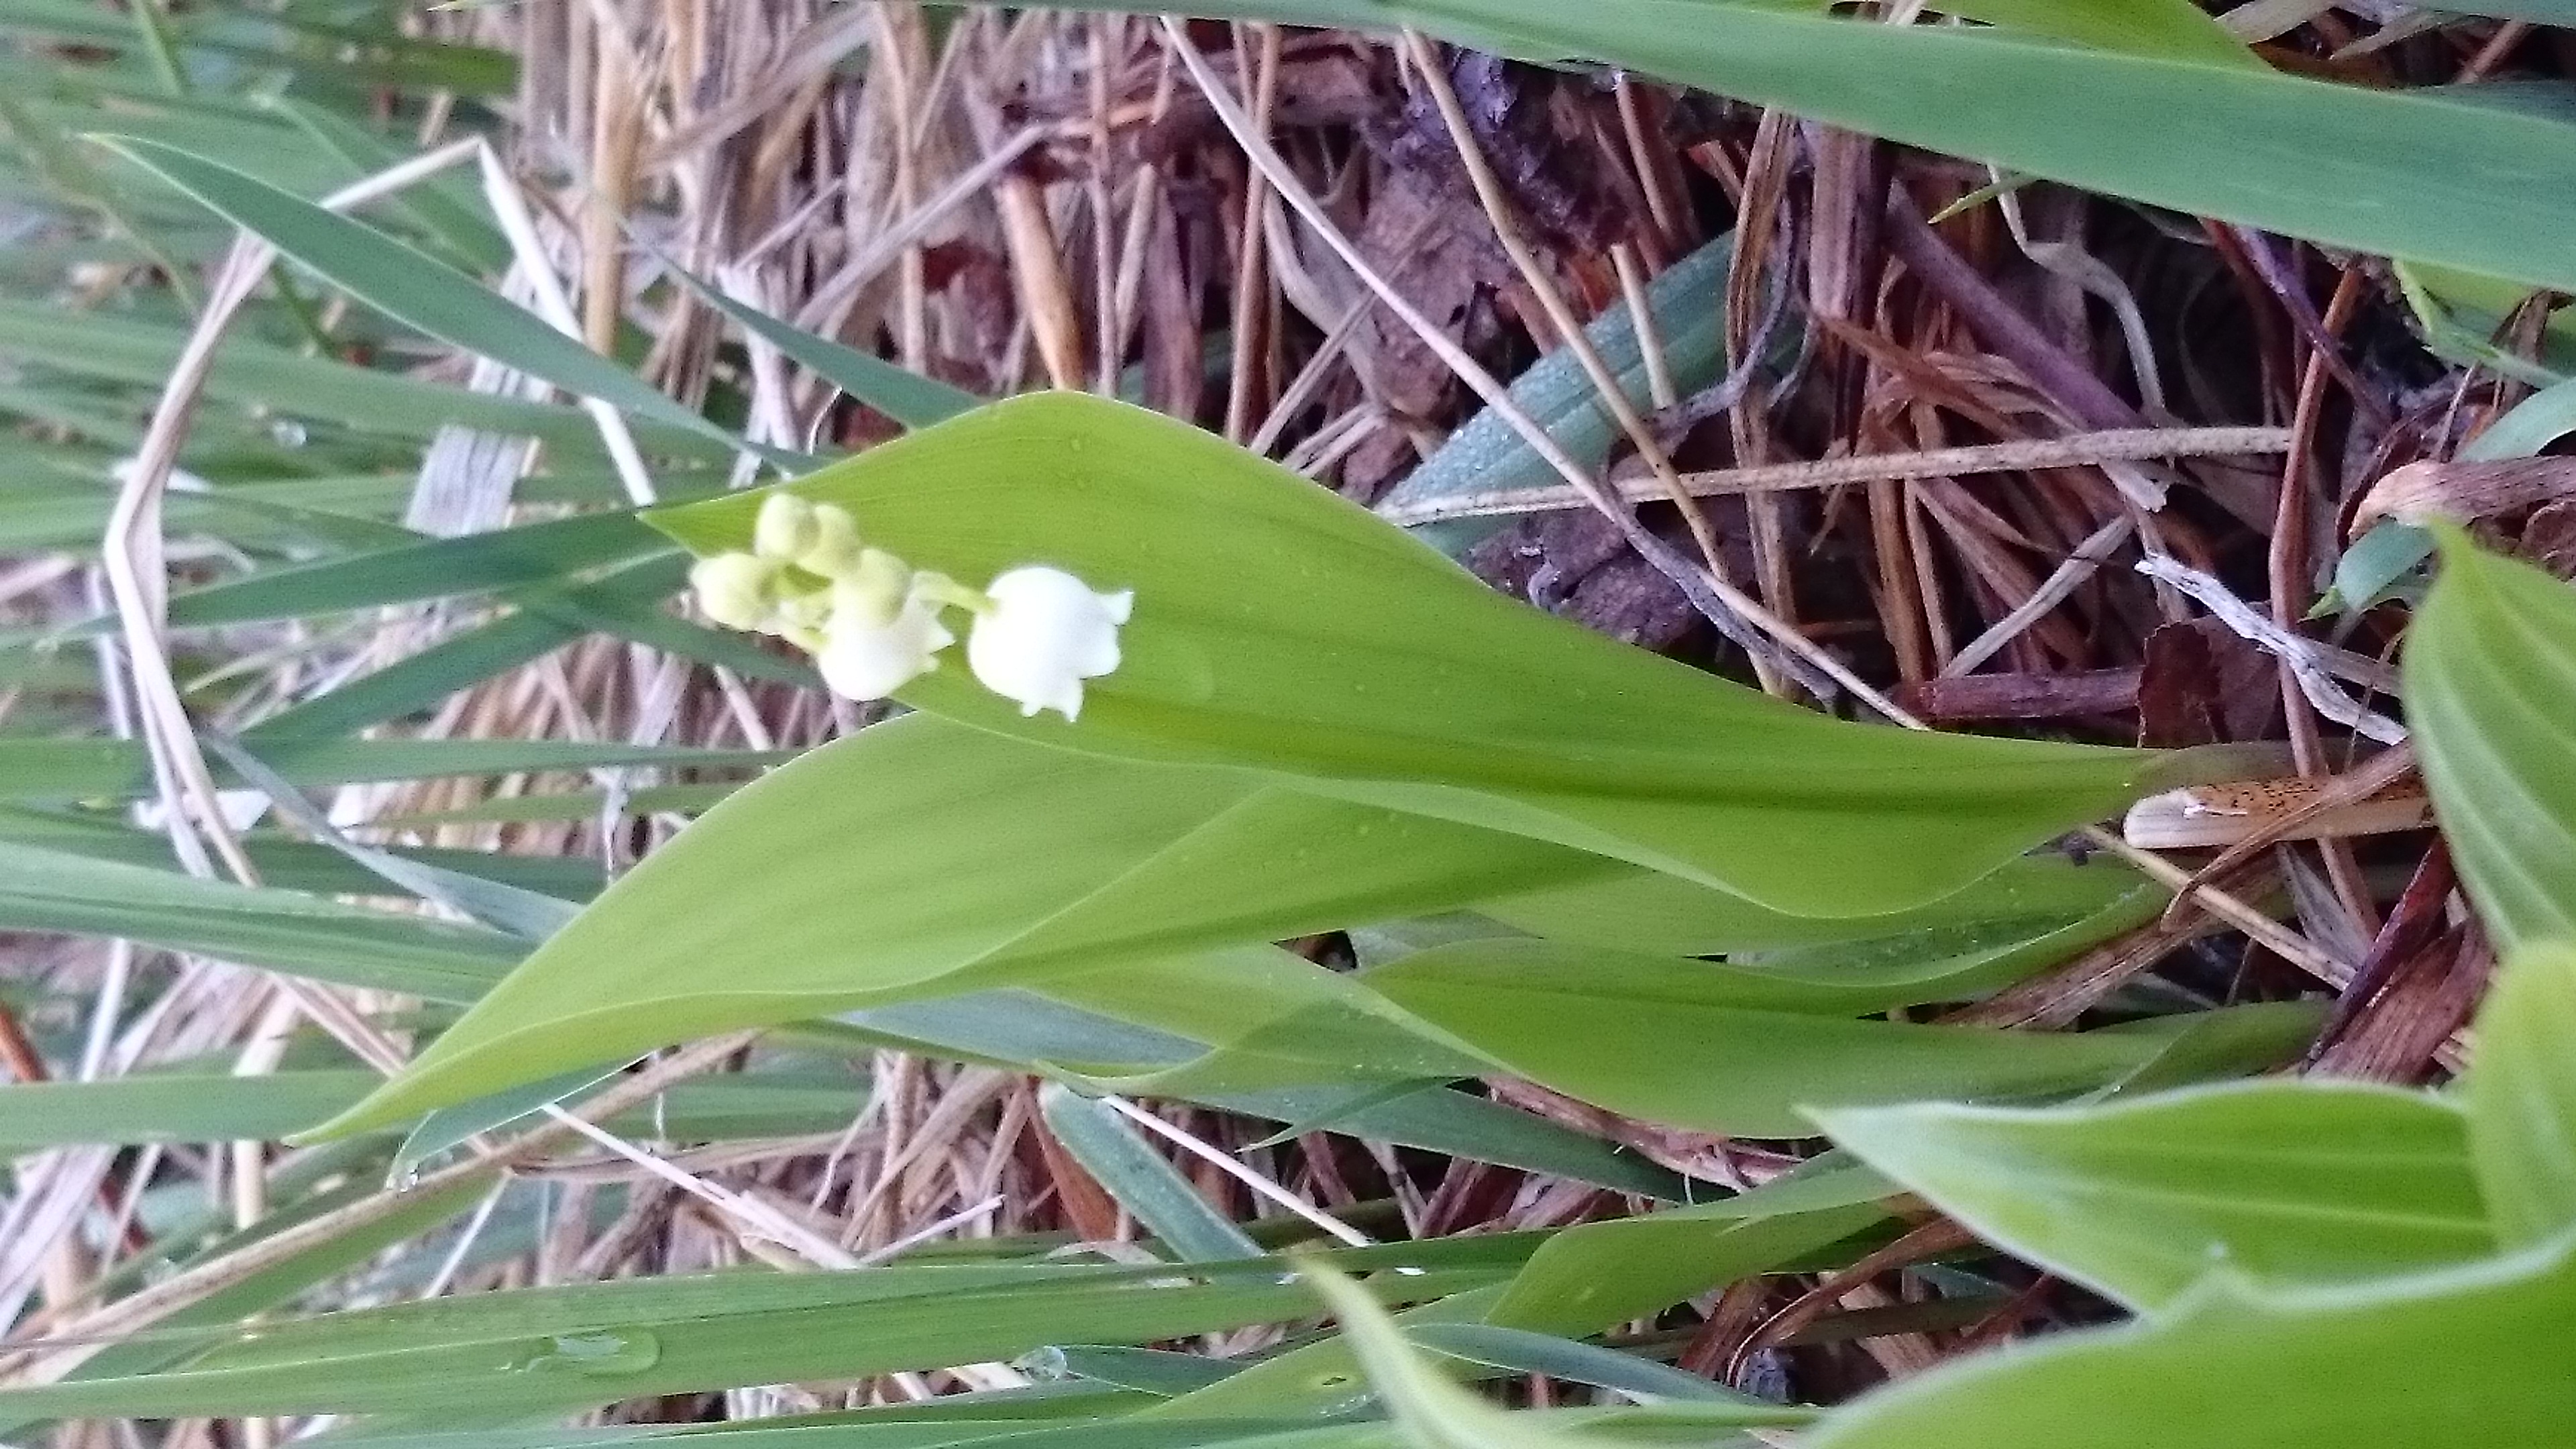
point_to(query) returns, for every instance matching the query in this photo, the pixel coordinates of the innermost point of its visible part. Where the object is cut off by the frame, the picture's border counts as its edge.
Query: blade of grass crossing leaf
(1122, 1161)
(436, 203)
(1521, 1351)
(522, 913)
(424, 568)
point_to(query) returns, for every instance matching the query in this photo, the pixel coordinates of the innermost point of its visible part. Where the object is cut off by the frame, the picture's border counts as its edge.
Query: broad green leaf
(2170, 29)
(1853, 978)
(1586, 1279)
(1682, 1042)
(2528, 426)
(2378, 567)
(1659, 1046)
(922, 856)
(1280, 627)
(2521, 1095)
(2277, 1182)
(2466, 1355)
(2461, 314)
(411, 286)
(1649, 911)
(2490, 669)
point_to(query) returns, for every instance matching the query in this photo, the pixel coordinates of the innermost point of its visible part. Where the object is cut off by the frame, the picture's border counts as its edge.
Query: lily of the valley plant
(872, 621)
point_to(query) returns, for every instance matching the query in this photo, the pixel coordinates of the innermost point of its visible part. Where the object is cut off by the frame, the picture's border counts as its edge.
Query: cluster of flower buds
(872, 621)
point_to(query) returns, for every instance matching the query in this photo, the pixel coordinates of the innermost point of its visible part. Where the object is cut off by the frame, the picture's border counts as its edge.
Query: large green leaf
(924, 856)
(2281, 1182)
(1648, 911)
(1281, 627)
(2174, 29)
(2522, 1095)
(2491, 693)
(1658, 1046)
(2469, 1355)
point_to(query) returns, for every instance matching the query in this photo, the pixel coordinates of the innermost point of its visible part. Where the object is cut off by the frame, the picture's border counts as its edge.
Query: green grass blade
(905, 396)
(407, 285)
(1121, 1160)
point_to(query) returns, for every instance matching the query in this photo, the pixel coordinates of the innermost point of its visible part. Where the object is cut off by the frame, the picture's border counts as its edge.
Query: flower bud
(736, 590)
(836, 548)
(785, 528)
(873, 590)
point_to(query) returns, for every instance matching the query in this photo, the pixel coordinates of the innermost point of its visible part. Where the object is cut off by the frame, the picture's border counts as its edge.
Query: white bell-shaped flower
(876, 641)
(737, 590)
(1044, 633)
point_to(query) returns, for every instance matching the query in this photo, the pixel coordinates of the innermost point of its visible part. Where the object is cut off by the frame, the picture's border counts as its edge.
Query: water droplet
(604, 1354)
